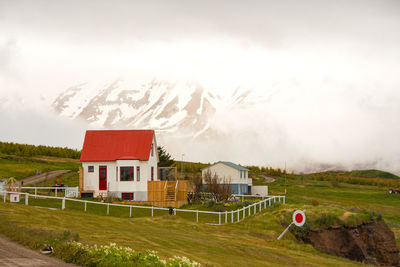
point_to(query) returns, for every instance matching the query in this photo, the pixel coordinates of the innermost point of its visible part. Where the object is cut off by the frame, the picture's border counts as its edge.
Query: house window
(90, 168)
(126, 173)
(138, 173)
(152, 150)
(240, 174)
(127, 196)
(152, 173)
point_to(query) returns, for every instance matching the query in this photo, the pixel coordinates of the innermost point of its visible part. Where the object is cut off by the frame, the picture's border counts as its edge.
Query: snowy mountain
(185, 108)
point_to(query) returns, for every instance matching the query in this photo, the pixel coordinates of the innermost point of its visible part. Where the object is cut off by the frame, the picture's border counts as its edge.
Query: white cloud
(334, 64)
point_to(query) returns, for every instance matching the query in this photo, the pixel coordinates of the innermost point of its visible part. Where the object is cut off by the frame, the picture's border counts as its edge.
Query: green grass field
(22, 167)
(252, 242)
(249, 243)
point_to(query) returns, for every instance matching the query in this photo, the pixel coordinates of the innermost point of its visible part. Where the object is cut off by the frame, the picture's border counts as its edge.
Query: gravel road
(43, 177)
(15, 255)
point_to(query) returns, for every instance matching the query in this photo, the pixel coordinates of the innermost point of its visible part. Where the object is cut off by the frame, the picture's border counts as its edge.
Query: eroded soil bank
(370, 243)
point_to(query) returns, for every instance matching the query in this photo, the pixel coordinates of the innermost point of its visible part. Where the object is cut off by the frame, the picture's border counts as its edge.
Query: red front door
(103, 178)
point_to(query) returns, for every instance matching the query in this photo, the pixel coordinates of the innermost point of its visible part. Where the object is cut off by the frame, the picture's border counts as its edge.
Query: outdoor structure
(118, 163)
(236, 175)
(167, 193)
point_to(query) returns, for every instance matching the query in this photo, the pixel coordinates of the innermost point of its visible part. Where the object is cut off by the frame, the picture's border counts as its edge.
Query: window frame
(122, 170)
(90, 168)
(130, 195)
(138, 173)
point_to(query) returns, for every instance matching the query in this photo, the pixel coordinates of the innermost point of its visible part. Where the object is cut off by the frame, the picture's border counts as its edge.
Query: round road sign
(299, 218)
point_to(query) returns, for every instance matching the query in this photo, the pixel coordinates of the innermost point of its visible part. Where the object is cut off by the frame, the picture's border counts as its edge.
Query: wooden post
(4, 197)
(130, 211)
(152, 211)
(35, 192)
(284, 200)
(226, 217)
(63, 203)
(80, 179)
(26, 199)
(219, 218)
(85, 205)
(244, 212)
(232, 216)
(108, 208)
(260, 206)
(238, 214)
(249, 211)
(174, 211)
(56, 191)
(255, 208)
(197, 216)
(265, 204)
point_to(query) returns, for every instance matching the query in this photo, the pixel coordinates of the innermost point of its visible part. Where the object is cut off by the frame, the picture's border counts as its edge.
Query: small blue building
(236, 175)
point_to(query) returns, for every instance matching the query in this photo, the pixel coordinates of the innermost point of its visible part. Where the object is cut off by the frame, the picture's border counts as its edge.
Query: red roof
(111, 145)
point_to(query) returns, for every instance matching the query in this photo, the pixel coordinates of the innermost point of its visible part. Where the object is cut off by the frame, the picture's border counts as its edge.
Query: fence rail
(219, 218)
(68, 191)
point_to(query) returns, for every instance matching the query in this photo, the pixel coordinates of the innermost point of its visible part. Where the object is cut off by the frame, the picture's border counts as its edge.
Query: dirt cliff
(371, 243)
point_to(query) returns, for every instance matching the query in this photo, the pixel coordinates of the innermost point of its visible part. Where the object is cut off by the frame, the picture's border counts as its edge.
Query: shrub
(335, 183)
(220, 190)
(113, 255)
(314, 202)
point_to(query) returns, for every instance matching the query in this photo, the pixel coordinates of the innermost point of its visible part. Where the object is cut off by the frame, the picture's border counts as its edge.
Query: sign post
(299, 218)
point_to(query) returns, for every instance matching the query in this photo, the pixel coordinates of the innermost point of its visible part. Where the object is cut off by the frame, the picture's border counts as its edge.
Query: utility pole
(182, 166)
(285, 178)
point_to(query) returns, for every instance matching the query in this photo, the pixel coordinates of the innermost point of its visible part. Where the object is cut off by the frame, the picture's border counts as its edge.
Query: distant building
(236, 175)
(118, 163)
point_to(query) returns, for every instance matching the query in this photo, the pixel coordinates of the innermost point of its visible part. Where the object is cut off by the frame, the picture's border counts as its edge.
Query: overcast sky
(352, 48)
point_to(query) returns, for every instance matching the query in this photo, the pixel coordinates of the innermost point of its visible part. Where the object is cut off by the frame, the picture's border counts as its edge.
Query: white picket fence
(223, 217)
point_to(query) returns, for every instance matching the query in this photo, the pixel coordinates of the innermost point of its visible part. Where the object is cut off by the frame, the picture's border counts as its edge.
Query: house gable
(229, 164)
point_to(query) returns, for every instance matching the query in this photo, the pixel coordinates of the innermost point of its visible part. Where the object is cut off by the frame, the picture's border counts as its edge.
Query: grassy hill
(359, 173)
(251, 242)
(22, 167)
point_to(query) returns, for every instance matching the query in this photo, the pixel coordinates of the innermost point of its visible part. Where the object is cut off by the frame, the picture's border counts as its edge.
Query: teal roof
(233, 165)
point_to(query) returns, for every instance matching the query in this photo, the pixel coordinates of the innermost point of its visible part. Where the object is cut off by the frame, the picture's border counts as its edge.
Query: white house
(119, 163)
(236, 175)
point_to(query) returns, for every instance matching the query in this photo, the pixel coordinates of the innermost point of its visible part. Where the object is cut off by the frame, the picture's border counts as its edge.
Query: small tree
(166, 159)
(197, 187)
(220, 189)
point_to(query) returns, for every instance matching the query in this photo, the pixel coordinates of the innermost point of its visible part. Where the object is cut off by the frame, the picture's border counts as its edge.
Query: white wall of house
(235, 176)
(114, 184)
(91, 179)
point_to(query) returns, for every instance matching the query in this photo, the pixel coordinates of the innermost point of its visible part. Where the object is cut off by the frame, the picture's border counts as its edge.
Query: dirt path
(43, 177)
(13, 254)
(268, 179)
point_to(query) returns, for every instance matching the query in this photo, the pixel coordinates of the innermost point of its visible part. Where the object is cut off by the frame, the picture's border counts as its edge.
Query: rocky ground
(370, 243)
